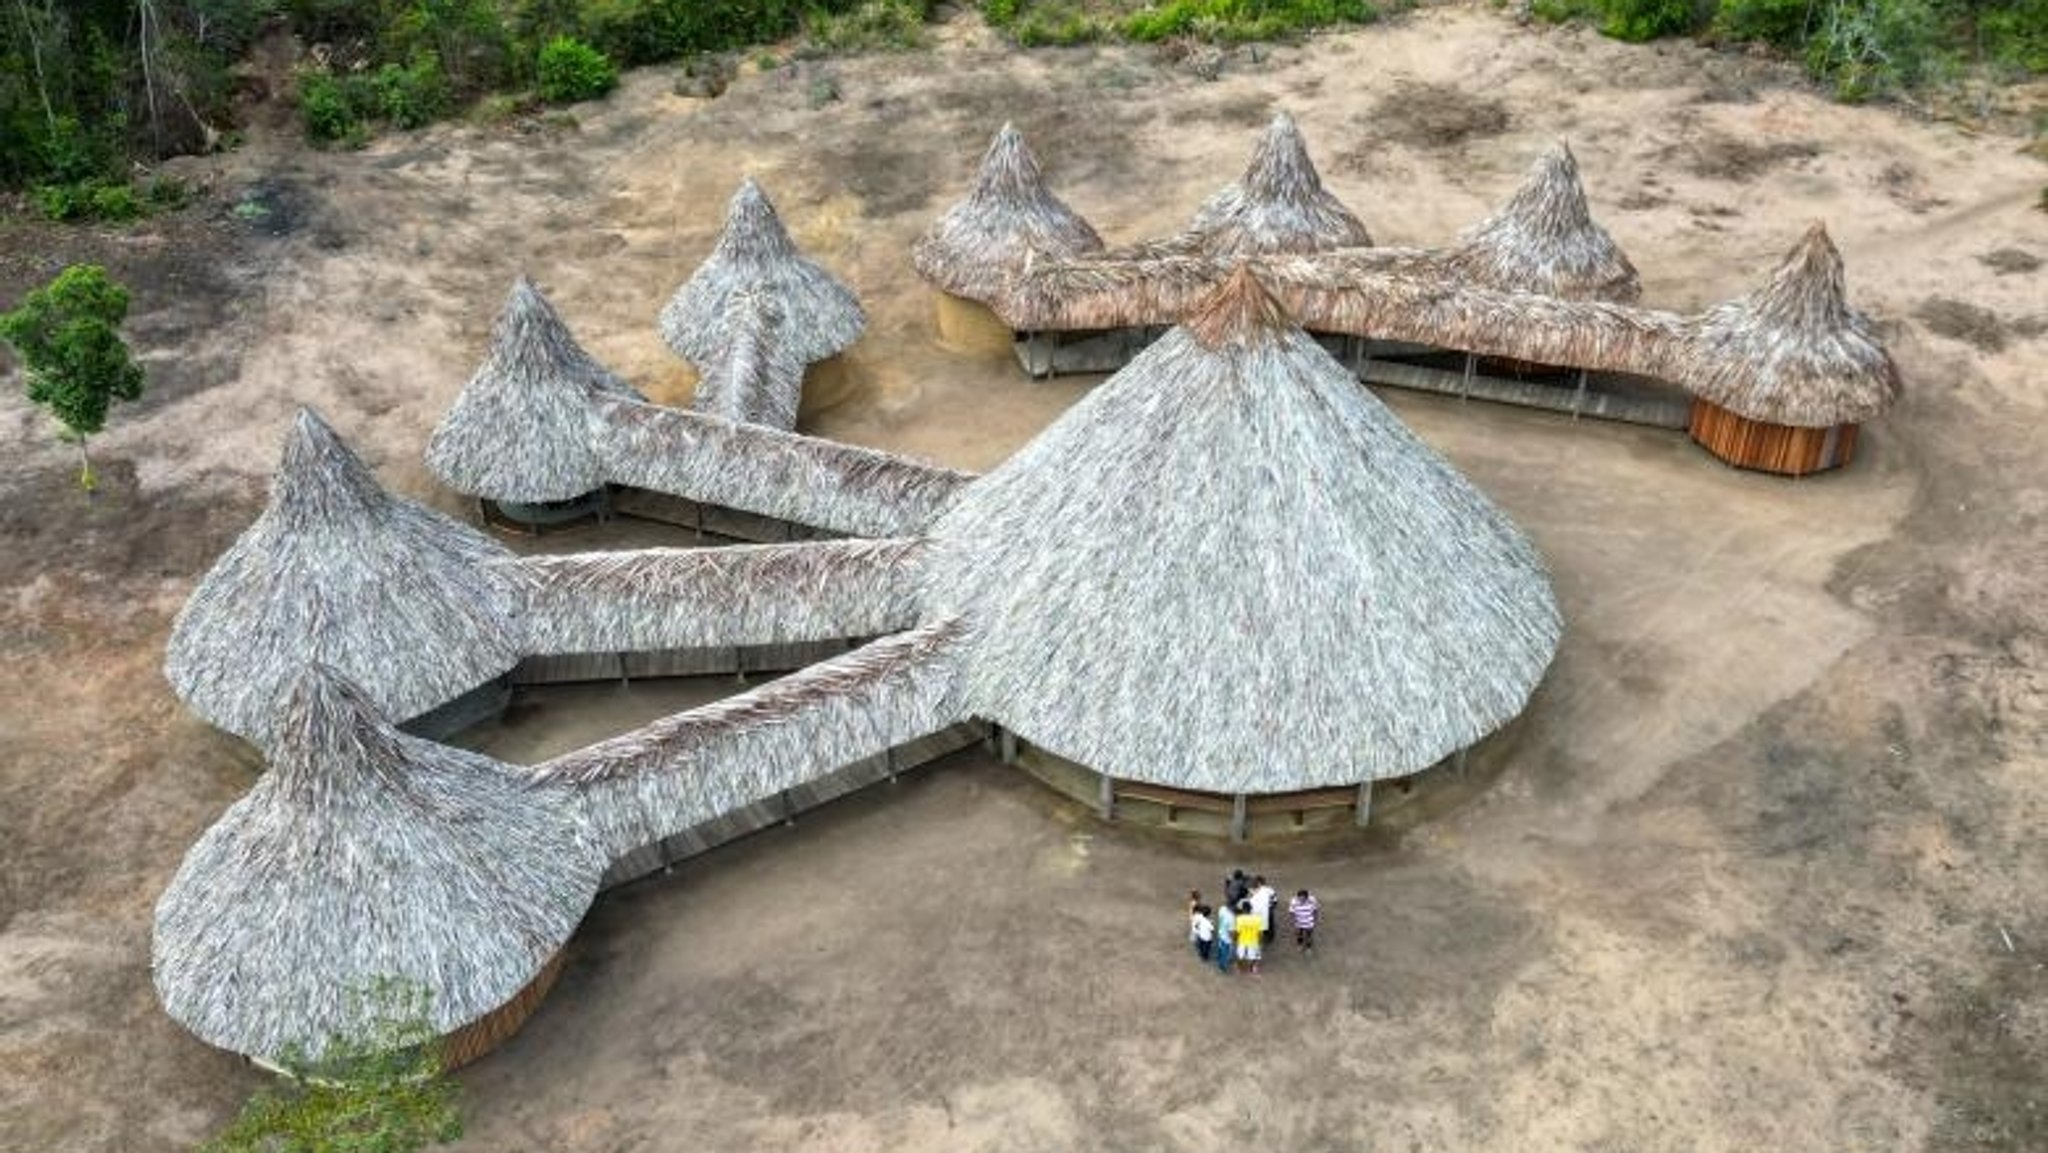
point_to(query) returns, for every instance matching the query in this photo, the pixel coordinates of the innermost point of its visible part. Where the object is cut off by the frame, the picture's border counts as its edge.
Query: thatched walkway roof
(1793, 352)
(1544, 240)
(1008, 220)
(1278, 205)
(1276, 587)
(387, 592)
(654, 599)
(519, 429)
(363, 855)
(755, 285)
(664, 778)
(821, 483)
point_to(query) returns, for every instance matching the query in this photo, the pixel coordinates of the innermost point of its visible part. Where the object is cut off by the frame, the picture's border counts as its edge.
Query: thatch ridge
(653, 599)
(365, 854)
(1794, 352)
(1277, 586)
(335, 569)
(1008, 220)
(666, 777)
(755, 378)
(806, 480)
(519, 428)
(1278, 205)
(754, 254)
(1544, 240)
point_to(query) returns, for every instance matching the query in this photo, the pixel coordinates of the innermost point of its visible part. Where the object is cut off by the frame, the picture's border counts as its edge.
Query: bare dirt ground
(1761, 868)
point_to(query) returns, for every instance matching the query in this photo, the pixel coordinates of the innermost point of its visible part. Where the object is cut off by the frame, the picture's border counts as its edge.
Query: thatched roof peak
(318, 479)
(1239, 312)
(753, 229)
(1008, 220)
(1808, 291)
(1544, 240)
(1279, 205)
(366, 855)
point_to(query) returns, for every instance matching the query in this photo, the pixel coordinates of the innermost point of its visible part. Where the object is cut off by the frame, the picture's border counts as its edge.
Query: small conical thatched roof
(365, 855)
(1793, 352)
(755, 377)
(1279, 205)
(1230, 568)
(755, 255)
(1544, 240)
(519, 430)
(1008, 219)
(391, 594)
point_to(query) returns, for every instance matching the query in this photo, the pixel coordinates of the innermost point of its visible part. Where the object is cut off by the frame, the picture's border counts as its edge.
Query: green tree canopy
(68, 336)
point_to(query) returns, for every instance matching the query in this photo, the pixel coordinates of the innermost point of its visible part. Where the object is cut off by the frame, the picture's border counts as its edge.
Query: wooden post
(889, 762)
(1458, 763)
(739, 668)
(1006, 743)
(1579, 396)
(1465, 386)
(1363, 813)
(1237, 816)
(697, 516)
(1105, 802)
(623, 678)
(788, 809)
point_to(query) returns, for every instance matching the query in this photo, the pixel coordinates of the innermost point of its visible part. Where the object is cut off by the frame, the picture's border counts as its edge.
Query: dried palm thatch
(366, 854)
(664, 778)
(842, 488)
(519, 431)
(1793, 352)
(754, 377)
(336, 570)
(657, 599)
(1278, 205)
(1009, 219)
(755, 261)
(1277, 586)
(1544, 240)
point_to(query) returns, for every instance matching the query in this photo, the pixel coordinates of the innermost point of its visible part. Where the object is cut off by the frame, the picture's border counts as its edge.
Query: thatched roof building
(1008, 220)
(1277, 587)
(1794, 352)
(336, 570)
(653, 599)
(755, 377)
(756, 283)
(1278, 205)
(519, 430)
(364, 855)
(1544, 240)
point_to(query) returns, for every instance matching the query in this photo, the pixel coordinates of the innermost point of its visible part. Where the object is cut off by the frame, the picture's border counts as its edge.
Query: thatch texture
(363, 855)
(519, 430)
(656, 599)
(665, 778)
(755, 262)
(1276, 586)
(755, 376)
(1544, 240)
(1793, 352)
(856, 491)
(1010, 219)
(336, 570)
(1278, 205)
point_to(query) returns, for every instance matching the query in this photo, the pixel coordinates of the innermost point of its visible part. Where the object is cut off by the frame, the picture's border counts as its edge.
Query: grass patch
(1041, 22)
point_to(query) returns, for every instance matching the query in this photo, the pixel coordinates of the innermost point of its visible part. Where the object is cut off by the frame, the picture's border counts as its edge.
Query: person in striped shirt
(1306, 911)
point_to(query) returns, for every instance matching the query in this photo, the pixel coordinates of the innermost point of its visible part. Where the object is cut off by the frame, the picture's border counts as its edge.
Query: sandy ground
(1760, 869)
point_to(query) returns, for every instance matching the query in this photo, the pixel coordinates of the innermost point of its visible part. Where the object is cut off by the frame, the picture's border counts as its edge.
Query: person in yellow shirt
(1250, 932)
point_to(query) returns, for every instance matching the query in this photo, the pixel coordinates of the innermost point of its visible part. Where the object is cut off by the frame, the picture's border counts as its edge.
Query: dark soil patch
(1977, 327)
(2009, 261)
(1718, 157)
(1434, 116)
(1907, 188)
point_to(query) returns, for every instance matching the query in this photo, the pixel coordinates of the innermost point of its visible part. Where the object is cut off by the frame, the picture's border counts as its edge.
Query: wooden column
(1579, 396)
(1458, 762)
(1105, 801)
(1237, 816)
(1363, 812)
(1006, 743)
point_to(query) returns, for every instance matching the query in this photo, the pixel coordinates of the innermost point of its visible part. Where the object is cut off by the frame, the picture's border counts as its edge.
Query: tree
(76, 363)
(378, 1089)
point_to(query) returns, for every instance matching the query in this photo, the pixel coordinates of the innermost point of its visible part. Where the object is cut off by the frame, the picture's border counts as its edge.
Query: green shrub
(92, 199)
(2017, 36)
(999, 13)
(1781, 22)
(324, 105)
(412, 96)
(1640, 20)
(67, 334)
(570, 70)
(1243, 20)
(874, 25)
(1868, 47)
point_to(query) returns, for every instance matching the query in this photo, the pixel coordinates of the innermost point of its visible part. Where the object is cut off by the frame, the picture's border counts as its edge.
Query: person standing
(1263, 899)
(1201, 931)
(1305, 911)
(1250, 931)
(1226, 937)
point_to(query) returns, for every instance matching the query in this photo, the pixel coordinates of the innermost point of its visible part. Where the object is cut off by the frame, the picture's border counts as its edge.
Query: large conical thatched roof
(1544, 240)
(391, 594)
(519, 430)
(755, 255)
(1793, 352)
(1008, 219)
(1279, 205)
(365, 855)
(1231, 568)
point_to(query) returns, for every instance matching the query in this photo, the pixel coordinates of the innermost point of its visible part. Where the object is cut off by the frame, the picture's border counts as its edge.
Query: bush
(107, 200)
(1868, 47)
(1640, 20)
(2017, 36)
(875, 25)
(570, 70)
(412, 96)
(1240, 20)
(324, 104)
(999, 13)
(1781, 22)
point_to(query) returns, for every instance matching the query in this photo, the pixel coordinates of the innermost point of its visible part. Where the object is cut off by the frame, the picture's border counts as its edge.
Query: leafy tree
(380, 1089)
(72, 352)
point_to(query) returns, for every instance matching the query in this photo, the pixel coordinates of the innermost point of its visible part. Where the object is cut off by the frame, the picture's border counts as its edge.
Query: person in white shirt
(1262, 897)
(1201, 931)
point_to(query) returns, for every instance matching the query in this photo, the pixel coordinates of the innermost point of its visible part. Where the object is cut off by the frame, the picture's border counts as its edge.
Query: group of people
(1233, 934)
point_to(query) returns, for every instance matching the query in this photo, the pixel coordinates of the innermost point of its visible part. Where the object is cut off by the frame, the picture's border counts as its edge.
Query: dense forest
(89, 89)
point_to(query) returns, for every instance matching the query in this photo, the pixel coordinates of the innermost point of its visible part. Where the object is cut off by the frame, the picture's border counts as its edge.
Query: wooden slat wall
(717, 660)
(1774, 448)
(490, 1030)
(662, 508)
